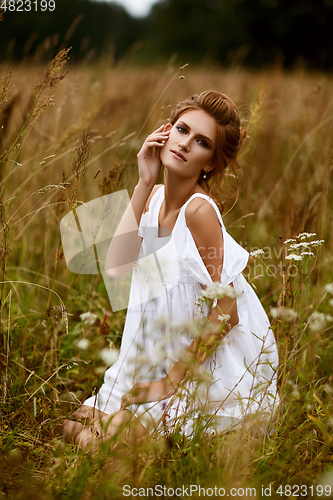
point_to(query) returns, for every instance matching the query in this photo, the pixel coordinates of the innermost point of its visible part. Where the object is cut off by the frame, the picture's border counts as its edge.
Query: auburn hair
(229, 132)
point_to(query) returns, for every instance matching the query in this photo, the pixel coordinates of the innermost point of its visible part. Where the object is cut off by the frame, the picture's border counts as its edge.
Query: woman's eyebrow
(199, 135)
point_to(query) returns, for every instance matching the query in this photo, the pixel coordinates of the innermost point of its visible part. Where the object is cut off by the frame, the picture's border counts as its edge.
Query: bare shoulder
(201, 212)
(153, 191)
(203, 223)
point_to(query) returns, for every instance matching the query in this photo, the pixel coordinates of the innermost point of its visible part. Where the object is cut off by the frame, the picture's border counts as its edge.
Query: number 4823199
(27, 5)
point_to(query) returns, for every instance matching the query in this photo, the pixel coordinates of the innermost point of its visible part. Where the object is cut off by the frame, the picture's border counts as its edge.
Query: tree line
(250, 32)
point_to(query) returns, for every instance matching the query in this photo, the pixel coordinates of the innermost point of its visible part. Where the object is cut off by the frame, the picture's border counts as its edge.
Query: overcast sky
(137, 8)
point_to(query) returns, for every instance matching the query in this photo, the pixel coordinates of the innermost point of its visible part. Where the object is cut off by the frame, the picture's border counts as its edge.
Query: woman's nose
(184, 145)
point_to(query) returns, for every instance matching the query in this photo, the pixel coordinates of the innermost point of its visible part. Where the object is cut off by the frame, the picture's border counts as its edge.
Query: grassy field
(69, 141)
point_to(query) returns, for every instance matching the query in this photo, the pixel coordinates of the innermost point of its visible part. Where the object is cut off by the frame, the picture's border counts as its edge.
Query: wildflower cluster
(218, 291)
(317, 321)
(224, 318)
(109, 356)
(89, 318)
(83, 344)
(329, 288)
(300, 249)
(257, 253)
(283, 312)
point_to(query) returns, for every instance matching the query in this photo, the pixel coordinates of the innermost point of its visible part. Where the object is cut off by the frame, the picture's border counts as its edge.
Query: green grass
(284, 187)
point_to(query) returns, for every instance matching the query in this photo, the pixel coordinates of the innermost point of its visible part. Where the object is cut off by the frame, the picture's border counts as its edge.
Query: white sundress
(237, 380)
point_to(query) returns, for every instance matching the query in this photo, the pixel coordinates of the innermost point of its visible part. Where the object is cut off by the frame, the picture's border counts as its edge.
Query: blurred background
(251, 32)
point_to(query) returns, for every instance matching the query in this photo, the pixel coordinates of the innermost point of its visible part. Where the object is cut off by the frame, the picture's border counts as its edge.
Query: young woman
(171, 373)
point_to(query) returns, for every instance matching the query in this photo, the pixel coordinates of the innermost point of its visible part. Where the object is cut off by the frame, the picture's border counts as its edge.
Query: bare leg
(98, 427)
(81, 417)
(122, 423)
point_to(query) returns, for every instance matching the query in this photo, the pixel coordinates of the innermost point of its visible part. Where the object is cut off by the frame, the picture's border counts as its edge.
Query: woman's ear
(211, 165)
(167, 127)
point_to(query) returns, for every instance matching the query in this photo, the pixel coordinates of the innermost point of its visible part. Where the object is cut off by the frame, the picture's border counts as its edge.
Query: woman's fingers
(153, 140)
(125, 404)
(70, 430)
(149, 162)
(162, 127)
(157, 154)
(138, 394)
(158, 138)
(127, 400)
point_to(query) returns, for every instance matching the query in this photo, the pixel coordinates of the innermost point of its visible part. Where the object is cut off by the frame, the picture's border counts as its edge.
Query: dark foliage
(91, 28)
(253, 32)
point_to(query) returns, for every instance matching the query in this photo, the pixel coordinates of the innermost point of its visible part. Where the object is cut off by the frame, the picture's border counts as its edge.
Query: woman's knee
(69, 429)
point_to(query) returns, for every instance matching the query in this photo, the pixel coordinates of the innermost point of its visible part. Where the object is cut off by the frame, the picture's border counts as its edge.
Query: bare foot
(122, 424)
(78, 420)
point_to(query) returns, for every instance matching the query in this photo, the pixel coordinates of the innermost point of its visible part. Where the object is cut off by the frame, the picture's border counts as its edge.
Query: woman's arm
(206, 231)
(125, 243)
(200, 349)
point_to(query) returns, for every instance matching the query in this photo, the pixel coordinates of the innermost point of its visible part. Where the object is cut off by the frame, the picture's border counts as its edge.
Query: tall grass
(84, 145)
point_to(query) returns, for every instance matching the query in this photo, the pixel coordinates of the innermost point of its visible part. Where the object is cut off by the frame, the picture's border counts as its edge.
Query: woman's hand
(147, 392)
(149, 164)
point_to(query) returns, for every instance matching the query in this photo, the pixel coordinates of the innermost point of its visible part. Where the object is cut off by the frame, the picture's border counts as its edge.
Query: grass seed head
(52, 76)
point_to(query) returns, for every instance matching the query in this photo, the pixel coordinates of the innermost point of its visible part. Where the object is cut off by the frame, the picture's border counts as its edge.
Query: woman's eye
(202, 143)
(181, 129)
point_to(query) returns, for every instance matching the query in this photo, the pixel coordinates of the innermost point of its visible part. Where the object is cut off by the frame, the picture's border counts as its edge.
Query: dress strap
(210, 200)
(235, 257)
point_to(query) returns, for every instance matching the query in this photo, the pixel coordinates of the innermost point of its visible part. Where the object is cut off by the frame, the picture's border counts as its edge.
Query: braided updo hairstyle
(229, 133)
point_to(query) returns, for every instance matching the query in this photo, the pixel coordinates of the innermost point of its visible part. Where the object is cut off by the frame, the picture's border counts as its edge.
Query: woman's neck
(177, 191)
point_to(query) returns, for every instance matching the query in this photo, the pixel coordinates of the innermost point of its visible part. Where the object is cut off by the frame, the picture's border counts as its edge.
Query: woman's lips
(177, 155)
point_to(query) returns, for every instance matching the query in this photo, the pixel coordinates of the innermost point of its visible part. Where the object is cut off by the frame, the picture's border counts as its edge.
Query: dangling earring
(204, 175)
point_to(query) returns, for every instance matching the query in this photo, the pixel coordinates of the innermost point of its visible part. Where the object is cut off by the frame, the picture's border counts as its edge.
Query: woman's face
(191, 144)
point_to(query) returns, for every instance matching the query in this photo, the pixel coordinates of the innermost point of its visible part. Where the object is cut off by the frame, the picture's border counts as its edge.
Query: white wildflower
(328, 389)
(109, 356)
(218, 291)
(310, 254)
(83, 344)
(331, 302)
(289, 241)
(161, 323)
(317, 243)
(293, 256)
(100, 370)
(317, 321)
(302, 244)
(329, 318)
(224, 317)
(89, 318)
(329, 288)
(283, 312)
(303, 236)
(256, 253)
(193, 327)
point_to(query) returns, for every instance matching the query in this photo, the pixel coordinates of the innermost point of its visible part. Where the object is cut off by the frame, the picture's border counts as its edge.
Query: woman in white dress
(184, 363)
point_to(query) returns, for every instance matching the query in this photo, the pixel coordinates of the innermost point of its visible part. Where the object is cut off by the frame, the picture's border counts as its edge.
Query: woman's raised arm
(125, 244)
